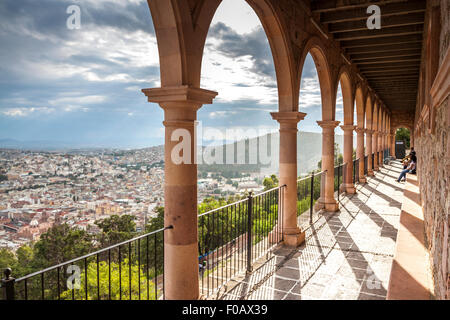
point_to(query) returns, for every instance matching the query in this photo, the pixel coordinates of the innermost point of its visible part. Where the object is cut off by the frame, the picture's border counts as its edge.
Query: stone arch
(316, 48)
(369, 113)
(399, 126)
(347, 94)
(375, 116)
(181, 29)
(360, 107)
(288, 80)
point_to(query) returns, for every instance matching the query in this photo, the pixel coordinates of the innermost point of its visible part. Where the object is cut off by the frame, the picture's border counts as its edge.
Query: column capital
(360, 130)
(288, 116)
(348, 127)
(369, 131)
(167, 96)
(328, 124)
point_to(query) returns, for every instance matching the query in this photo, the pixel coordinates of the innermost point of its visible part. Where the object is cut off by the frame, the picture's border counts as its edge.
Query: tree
(7, 259)
(403, 134)
(270, 182)
(338, 157)
(157, 222)
(120, 286)
(25, 257)
(116, 229)
(59, 244)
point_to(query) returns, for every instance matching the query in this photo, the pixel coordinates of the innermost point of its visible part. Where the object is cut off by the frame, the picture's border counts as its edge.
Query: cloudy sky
(83, 86)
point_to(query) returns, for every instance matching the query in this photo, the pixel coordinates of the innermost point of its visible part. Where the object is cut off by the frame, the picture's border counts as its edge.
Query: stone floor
(347, 254)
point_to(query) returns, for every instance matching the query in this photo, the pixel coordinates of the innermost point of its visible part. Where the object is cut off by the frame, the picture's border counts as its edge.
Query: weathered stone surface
(434, 177)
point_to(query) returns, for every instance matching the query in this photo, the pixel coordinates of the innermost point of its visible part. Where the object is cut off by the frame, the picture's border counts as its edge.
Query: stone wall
(433, 152)
(434, 177)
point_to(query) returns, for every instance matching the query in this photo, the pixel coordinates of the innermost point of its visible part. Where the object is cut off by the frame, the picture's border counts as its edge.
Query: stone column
(380, 149)
(292, 234)
(369, 152)
(328, 200)
(180, 105)
(392, 144)
(360, 153)
(348, 158)
(375, 150)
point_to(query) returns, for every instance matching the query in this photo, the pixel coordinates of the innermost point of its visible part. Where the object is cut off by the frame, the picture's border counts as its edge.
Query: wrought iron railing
(130, 270)
(339, 172)
(355, 170)
(309, 190)
(366, 166)
(233, 237)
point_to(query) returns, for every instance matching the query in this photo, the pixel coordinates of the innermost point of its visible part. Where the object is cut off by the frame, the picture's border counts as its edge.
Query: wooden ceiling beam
(360, 13)
(386, 48)
(378, 55)
(333, 5)
(390, 60)
(381, 33)
(391, 71)
(417, 18)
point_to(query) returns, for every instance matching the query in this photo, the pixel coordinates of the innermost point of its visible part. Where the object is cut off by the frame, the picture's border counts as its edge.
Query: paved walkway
(347, 255)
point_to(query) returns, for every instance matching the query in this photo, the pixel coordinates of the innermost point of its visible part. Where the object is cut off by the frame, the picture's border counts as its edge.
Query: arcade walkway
(348, 254)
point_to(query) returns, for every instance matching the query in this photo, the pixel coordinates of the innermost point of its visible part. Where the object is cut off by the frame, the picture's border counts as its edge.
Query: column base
(294, 240)
(350, 189)
(330, 205)
(370, 173)
(319, 205)
(362, 180)
(376, 168)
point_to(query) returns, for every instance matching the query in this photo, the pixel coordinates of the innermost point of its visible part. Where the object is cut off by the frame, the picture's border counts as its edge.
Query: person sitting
(407, 160)
(409, 169)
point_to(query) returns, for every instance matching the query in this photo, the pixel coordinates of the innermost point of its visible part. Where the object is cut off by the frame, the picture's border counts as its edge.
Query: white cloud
(238, 15)
(234, 80)
(81, 100)
(23, 112)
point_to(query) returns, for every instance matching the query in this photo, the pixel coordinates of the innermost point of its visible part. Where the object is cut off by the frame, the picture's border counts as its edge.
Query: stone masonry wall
(433, 152)
(434, 177)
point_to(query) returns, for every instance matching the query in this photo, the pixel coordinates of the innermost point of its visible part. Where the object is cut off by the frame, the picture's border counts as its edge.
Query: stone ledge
(410, 277)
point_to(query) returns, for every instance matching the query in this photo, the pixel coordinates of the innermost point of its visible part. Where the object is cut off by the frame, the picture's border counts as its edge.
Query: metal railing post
(311, 200)
(339, 181)
(249, 233)
(8, 285)
(354, 171)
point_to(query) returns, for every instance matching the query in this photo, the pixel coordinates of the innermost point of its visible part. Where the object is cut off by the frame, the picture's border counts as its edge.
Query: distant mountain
(63, 146)
(38, 145)
(309, 153)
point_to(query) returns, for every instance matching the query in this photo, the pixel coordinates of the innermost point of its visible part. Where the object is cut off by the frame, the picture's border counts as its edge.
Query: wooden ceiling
(389, 58)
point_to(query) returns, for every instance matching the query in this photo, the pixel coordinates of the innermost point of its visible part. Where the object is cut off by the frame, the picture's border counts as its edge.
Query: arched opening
(360, 111)
(237, 60)
(314, 49)
(403, 134)
(339, 132)
(345, 115)
(310, 136)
